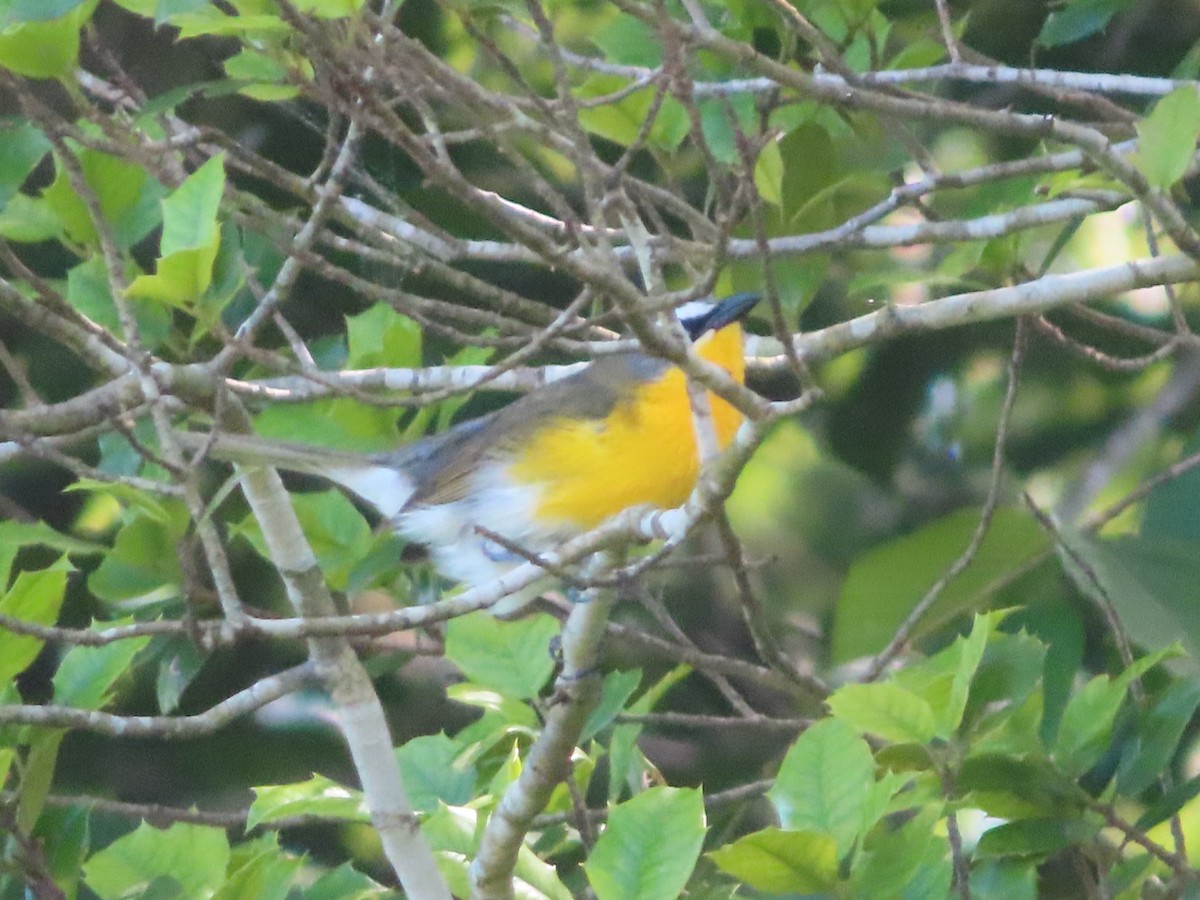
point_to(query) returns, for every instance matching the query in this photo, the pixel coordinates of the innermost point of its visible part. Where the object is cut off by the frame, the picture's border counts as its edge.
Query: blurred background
(902, 441)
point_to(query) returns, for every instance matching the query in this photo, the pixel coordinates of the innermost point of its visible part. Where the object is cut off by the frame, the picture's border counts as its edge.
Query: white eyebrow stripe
(694, 309)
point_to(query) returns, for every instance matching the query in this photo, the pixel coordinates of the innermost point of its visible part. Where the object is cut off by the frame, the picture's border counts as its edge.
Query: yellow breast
(643, 452)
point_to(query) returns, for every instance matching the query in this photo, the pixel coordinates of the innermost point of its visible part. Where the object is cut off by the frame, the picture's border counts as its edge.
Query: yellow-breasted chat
(548, 467)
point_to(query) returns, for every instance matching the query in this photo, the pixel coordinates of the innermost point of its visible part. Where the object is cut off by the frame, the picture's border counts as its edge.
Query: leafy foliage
(968, 664)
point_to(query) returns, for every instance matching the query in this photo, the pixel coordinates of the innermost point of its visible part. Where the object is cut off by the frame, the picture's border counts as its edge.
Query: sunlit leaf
(194, 856)
(86, 674)
(434, 771)
(318, 796)
(885, 710)
(512, 657)
(781, 862)
(1168, 137)
(649, 846)
(824, 783)
(190, 239)
(41, 46)
(1035, 837)
(36, 598)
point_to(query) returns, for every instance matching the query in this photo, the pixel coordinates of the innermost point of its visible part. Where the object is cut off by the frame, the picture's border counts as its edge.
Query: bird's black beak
(726, 311)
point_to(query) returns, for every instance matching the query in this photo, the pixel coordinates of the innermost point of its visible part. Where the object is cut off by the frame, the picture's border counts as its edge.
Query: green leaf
(190, 211)
(1127, 876)
(64, 834)
(944, 680)
(798, 278)
(340, 423)
(36, 598)
(1167, 137)
(1150, 582)
(811, 165)
(717, 118)
(22, 147)
(1086, 724)
(503, 716)
(45, 49)
(380, 336)
(15, 535)
(884, 585)
(891, 857)
(623, 756)
(435, 770)
(781, 862)
(14, 12)
(933, 875)
(260, 869)
(886, 710)
(1077, 20)
(1147, 756)
(649, 847)
(1003, 879)
(119, 458)
(1168, 804)
(622, 121)
(1171, 507)
(825, 782)
(143, 564)
(1008, 672)
(144, 8)
(511, 657)
(1035, 837)
(127, 196)
(208, 20)
(316, 797)
(165, 10)
(628, 40)
(28, 220)
(330, 9)
(37, 776)
(455, 832)
(178, 279)
(190, 240)
(1012, 728)
(1087, 721)
(268, 79)
(918, 54)
(968, 654)
(180, 663)
(195, 856)
(1058, 624)
(617, 688)
(86, 674)
(768, 174)
(1007, 786)
(345, 883)
(88, 292)
(508, 771)
(336, 530)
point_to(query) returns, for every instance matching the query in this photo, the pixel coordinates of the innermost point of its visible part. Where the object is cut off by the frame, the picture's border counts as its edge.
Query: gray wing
(439, 469)
(442, 466)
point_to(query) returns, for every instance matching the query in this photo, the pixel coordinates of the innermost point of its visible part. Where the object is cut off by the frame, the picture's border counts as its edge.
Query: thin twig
(904, 632)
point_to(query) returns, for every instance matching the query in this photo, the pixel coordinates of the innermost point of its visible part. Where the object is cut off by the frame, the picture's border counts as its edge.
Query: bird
(553, 464)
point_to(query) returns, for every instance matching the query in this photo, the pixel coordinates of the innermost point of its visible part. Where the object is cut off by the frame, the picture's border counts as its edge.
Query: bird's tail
(385, 487)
